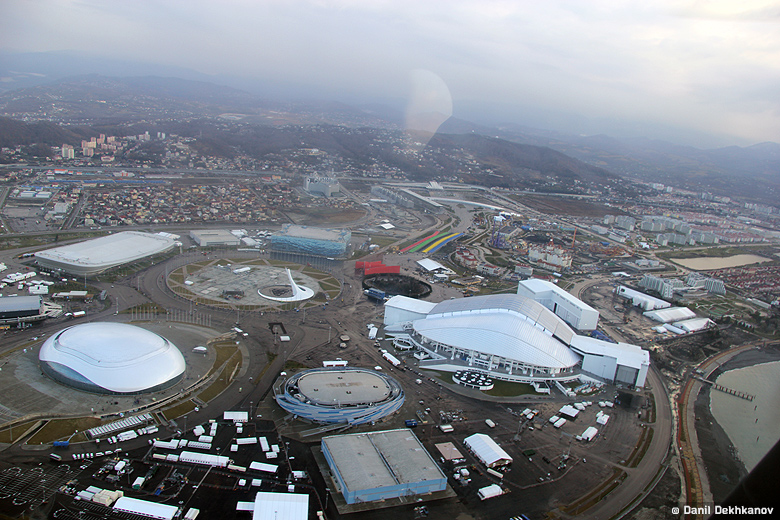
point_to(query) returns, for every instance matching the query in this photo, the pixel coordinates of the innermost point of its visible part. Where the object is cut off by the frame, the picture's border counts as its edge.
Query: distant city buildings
(550, 256)
(325, 186)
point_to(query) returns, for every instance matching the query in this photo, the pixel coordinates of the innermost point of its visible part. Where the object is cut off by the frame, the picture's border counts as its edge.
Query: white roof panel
(693, 324)
(235, 416)
(540, 287)
(511, 303)
(486, 449)
(145, 508)
(410, 304)
(671, 314)
(501, 334)
(430, 265)
(589, 433)
(626, 354)
(281, 506)
(105, 252)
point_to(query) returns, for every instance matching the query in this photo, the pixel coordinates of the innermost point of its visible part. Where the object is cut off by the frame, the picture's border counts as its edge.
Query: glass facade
(305, 240)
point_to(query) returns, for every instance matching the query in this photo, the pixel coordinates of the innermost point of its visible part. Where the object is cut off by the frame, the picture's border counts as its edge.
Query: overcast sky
(585, 66)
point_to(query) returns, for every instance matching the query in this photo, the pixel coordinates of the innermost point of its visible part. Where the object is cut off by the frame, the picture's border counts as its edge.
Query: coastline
(723, 466)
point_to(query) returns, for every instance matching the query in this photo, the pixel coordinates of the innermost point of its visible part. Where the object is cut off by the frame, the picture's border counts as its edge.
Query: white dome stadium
(113, 358)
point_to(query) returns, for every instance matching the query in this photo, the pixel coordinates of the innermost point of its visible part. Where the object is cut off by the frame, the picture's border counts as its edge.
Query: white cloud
(700, 65)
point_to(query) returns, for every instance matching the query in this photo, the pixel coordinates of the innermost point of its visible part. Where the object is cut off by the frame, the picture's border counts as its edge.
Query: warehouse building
(613, 362)
(21, 309)
(214, 237)
(381, 465)
(304, 240)
(641, 300)
(93, 257)
(573, 311)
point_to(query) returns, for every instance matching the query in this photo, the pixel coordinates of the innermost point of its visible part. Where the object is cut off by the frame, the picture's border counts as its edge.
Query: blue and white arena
(340, 395)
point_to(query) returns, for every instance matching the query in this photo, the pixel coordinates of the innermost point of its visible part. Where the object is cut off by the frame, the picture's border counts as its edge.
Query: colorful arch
(441, 242)
(419, 242)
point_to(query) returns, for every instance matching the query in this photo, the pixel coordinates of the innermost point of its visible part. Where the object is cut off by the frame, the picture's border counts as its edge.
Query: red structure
(384, 269)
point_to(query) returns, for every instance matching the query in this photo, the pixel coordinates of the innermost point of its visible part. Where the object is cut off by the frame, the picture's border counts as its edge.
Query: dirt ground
(566, 206)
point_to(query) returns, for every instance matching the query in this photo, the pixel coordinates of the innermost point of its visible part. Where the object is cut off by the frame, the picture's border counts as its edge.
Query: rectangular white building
(575, 312)
(487, 451)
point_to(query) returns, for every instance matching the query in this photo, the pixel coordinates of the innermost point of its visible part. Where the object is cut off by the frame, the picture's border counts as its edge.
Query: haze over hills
(515, 155)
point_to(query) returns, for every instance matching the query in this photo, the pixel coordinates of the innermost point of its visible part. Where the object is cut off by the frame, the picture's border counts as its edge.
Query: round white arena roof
(111, 358)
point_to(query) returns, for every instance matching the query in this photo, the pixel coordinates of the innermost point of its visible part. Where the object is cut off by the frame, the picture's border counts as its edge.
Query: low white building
(278, 506)
(487, 450)
(614, 362)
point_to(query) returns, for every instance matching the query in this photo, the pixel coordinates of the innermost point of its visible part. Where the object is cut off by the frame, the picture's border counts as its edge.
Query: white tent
(486, 450)
(589, 433)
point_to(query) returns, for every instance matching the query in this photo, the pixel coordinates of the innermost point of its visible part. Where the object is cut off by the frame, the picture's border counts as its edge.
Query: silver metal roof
(347, 387)
(410, 304)
(20, 303)
(625, 353)
(115, 356)
(378, 459)
(99, 254)
(513, 303)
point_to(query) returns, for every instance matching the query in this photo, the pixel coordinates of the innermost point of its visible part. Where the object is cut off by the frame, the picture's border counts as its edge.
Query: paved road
(644, 474)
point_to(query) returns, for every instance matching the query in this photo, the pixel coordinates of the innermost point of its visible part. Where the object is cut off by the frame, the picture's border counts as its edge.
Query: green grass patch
(507, 389)
(224, 351)
(223, 381)
(382, 241)
(178, 410)
(62, 429)
(281, 263)
(45, 239)
(12, 434)
(291, 364)
(177, 277)
(710, 252)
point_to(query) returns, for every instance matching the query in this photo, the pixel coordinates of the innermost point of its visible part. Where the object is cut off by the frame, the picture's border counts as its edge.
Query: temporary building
(569, 411)
(589, 433)
(490, 491)
(487, 450)
(145, 508)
